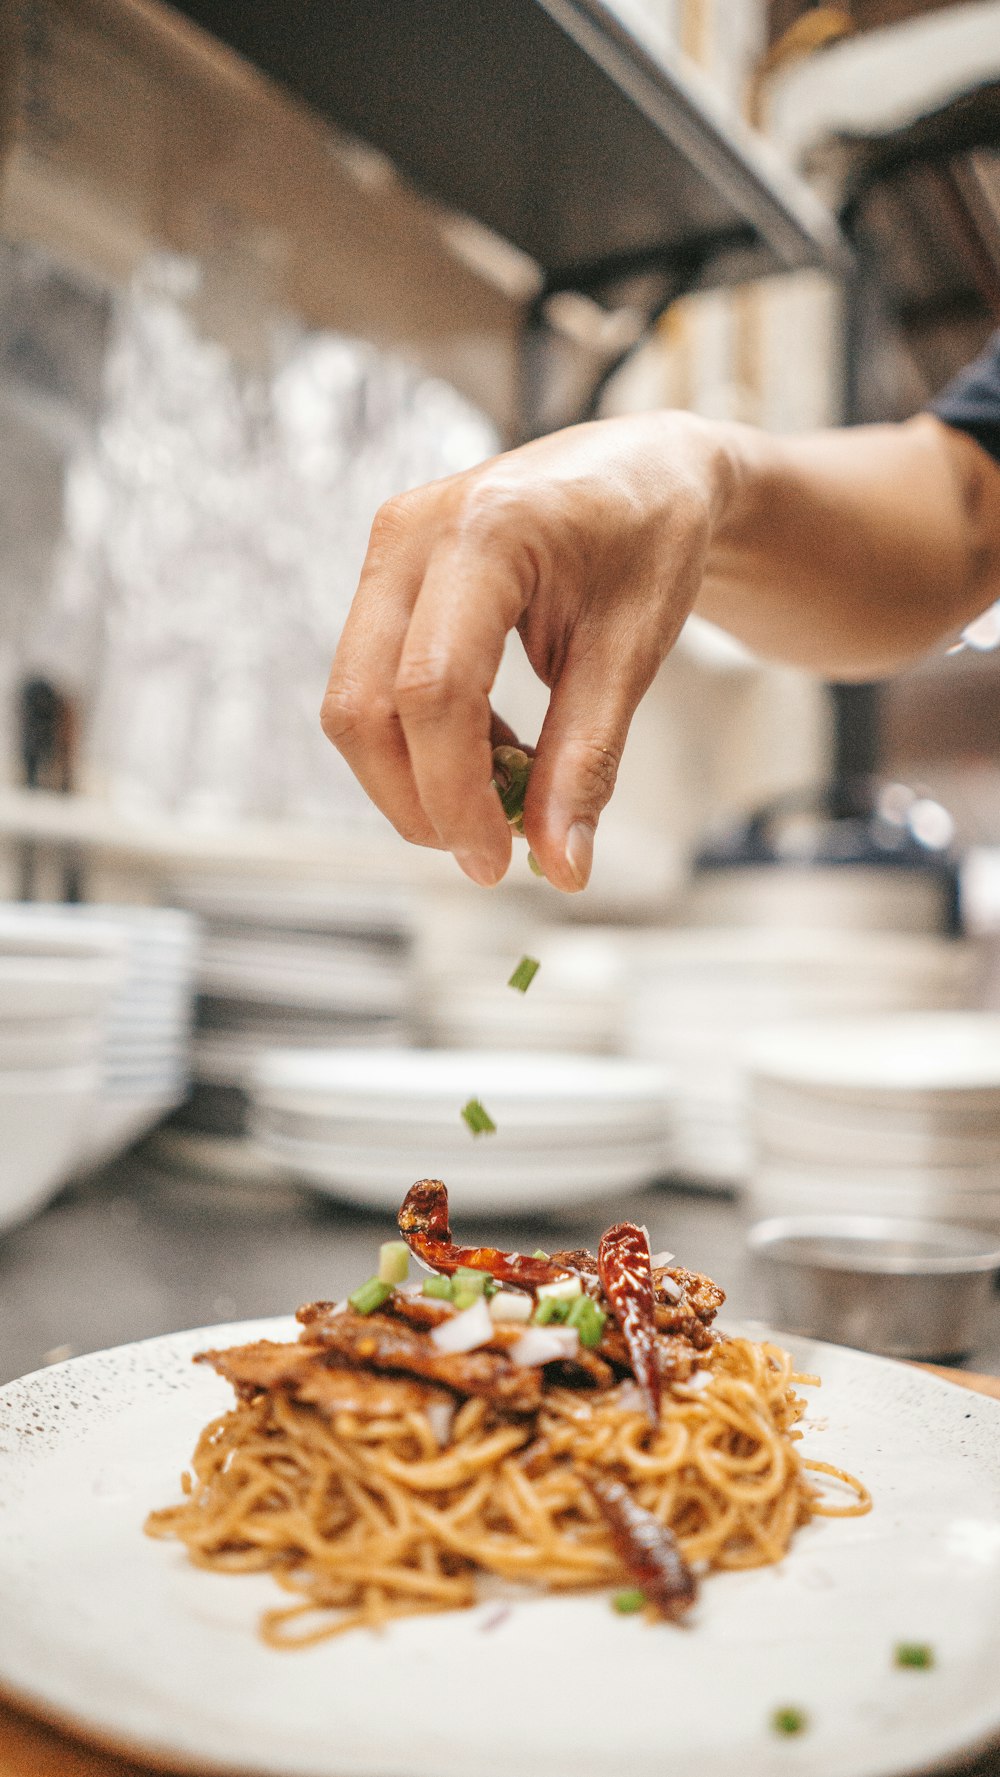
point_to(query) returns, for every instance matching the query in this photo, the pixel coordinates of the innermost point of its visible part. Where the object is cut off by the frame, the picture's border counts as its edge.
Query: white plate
(379, 1180)
(875, 1059)
(122, 1639)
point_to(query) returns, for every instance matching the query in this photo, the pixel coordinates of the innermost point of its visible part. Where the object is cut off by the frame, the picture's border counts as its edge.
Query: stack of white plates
(146, 1039)
(885, 1116)
(56, 979)
(698, 993)
(364, 1126)
(290, 966)
(576, 1002)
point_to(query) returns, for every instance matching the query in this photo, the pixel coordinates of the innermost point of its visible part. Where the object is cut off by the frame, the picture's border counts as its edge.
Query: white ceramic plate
(122, 1639)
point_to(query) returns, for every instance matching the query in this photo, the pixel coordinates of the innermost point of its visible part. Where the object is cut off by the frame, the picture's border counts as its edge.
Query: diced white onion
(463, 1332)
(545, 1345)
(659, 1260)
(699, 1381)
(644, 1230)
(630, 1398)
(441, 1418)
(671, 1289)
(562, 1290)
(509, 1305)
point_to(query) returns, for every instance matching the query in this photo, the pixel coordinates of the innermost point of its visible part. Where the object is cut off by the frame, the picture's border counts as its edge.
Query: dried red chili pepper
(648, 1550)
(627, 1281)
(423, 1223)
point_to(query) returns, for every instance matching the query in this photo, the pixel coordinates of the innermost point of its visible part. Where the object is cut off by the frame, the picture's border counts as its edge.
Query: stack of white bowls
(698, 993)
(575, 1004)
(363, 1126)
(290, 966)
(889, 1116)
(147, 1049)
(56, 980)
(145, 1043)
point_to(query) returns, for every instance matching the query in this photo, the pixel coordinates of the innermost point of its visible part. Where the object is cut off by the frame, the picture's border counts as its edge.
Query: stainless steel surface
(137, 1252)
(909, 1289)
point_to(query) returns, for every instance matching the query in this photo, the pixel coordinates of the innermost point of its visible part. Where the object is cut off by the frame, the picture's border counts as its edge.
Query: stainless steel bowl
(901, 1288)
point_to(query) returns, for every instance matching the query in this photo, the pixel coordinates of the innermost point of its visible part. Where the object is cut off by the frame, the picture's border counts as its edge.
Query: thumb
(578, 755)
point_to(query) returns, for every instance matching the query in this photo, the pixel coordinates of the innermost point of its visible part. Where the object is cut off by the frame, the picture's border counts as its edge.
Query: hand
(591, 543)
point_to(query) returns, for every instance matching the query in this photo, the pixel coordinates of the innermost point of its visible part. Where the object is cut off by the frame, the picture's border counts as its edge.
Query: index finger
(465, 608)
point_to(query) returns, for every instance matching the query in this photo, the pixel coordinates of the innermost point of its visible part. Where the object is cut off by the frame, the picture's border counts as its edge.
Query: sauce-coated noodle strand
(363, 1520)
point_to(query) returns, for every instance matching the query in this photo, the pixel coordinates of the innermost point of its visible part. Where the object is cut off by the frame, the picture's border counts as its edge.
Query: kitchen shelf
(550, 123)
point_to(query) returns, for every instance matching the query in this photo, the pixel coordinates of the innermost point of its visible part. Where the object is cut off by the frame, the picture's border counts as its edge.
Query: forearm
(852, 552)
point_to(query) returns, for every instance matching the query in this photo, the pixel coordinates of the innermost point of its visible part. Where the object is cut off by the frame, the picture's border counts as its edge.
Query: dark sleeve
(972, 401)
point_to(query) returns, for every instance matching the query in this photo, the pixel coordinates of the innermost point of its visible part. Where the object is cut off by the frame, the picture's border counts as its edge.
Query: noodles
(365, 1518)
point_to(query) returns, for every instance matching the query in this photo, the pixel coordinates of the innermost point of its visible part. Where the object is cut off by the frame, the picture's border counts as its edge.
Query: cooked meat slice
(579, 1259)
(343, 1390)
(701, 1296)
(305, 1373)
(419, 1311)
(380, 1342)
(264, 1365)
(675, 1354)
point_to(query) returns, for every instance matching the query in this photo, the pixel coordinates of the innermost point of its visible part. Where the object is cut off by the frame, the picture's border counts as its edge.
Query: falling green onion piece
(918, 1654)
(478, 1119)
(437, 1287)
(373, 1294)
(789, 1721)
(534, 866)
(524, 974)
(393, 1261)
(629, 1601)
(511, 771)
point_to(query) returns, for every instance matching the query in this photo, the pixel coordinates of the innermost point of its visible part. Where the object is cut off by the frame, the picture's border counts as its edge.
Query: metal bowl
(901, 1288)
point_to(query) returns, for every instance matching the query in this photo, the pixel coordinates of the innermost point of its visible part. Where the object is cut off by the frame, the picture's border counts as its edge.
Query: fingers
(466, 606)
(580, 749)
(359, 710)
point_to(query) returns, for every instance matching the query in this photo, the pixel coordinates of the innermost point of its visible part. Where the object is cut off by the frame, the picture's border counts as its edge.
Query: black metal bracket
(650, 281)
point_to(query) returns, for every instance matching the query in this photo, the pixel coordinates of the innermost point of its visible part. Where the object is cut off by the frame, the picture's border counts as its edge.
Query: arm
(853, 552)
(845, 552)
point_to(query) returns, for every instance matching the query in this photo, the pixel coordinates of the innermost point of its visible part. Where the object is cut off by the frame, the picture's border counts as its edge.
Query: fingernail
(580, 852)
(479, 870)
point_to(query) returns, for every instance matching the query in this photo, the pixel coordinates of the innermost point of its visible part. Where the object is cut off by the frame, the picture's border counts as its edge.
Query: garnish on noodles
(565, 1421)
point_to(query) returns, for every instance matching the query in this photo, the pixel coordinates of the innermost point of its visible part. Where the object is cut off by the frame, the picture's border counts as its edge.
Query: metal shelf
(547, 121)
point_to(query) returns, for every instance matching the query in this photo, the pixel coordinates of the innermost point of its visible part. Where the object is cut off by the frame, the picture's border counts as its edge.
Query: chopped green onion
(563, 1287)
(551, 1308)
(478, 1119)
(511, 771)
(588, 1320)
(629, 1601)
(534, 866)
(393, 1261)
(538, 1253)
(524, 974)
(438, 1287)
(789, 1721)
(918, 1654)
(370, 1296)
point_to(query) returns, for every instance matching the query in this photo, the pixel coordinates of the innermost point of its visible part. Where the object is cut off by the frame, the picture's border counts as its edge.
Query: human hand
(591, 543)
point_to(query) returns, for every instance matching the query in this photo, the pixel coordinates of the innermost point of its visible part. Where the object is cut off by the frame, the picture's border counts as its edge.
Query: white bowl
(48, 1042)
(42, 1116)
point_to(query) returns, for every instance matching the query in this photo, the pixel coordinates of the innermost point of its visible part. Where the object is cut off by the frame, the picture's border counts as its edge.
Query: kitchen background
(231, 327)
